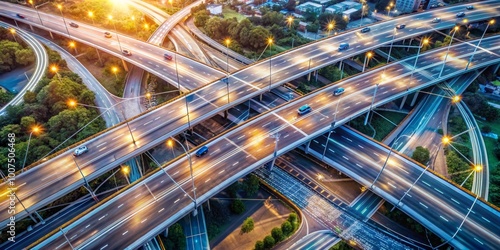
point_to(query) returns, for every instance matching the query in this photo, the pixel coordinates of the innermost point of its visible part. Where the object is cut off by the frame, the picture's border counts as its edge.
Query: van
(343, 46)
(203, 150)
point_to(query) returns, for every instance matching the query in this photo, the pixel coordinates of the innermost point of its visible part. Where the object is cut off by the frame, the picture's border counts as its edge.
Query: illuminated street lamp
(73, 45)
(373, 98)
(477, 168)
(446, 140)
(135, 24)
(270, 43)
(289, 20)
(362, 13)
(456, 98)
(148, 96)
(330, 27)
(126, 171)
(448, 50)
(227, 42)
(423, 42)
(115, 69)
(367, 58)
(110, 17)
(13, 32)
(35, 130)
(64, 20)
(146, 26)
(54, 69)
(91, 15)
(36, 9)
(492, 21)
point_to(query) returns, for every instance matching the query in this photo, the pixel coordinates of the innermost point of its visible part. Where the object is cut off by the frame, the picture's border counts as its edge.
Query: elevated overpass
(59, 175)
(248, 146)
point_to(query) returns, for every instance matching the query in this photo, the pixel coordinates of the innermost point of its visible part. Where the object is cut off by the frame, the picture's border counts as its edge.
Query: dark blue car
(203, 150)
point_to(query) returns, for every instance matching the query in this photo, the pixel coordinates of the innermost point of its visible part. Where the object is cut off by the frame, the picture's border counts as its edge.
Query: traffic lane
(432, 185)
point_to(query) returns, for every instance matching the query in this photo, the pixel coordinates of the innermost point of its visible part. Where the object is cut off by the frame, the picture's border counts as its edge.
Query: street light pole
(35, 129)
(128, 126)
(116, 33)
(227, 54)
(407, 191)
(371, 105)
(387, 159)
(448, 51)
(13, 32)
(328, 138)
(367, 56)
(177, 73)
(64, 20)
(276, 140)
(481, 39)
(36, 9)
(390, 48)
(270, 60)
(422, 43)
(190, 169)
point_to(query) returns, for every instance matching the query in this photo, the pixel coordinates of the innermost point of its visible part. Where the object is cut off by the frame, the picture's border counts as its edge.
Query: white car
(80, 150)
(436, 20)
(339, 91)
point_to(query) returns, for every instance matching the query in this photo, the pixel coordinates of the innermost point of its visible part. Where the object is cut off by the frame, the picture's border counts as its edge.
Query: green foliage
(233, 189)
(496, 151)
(13, 54)
(201, 17)
(458, 168)
(293, 219)
(287, 228)
(271, 18)
(176, 239)
(251, 185)
(5, 97)
(290, 5)
(486, 129)
(342, 245)
(277, 234)
(478, 104)
(215, 217)
(339, 22)
(248, 225)
(269, 242)
(259, 245)
(237, 206)
(421, 155)
(495, 185)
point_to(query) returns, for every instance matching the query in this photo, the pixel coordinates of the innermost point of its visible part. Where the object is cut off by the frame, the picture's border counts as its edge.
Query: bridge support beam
(195, 212)
(31, 28)
(309, 76)
(99, 57)
(403, 102)
(51, 35)
(260, 97)
(165, 234)
(414, 99)
(125, 65)
(307, 147)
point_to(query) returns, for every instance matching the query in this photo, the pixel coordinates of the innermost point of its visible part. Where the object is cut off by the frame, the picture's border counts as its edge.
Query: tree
(421, 155)
(176, 238)
(259, 245)
(290, 5)
(251, 185)
(27, 122)
(271, 18)
(29, 97)
(269, 242)
(496, 152)
(486, 129)
(277, 234)
(200, 18)
(292, 218)
(286, 228)
(258, 37)
(247, 225)
(25, 56)
(237, 206)
(310, 16)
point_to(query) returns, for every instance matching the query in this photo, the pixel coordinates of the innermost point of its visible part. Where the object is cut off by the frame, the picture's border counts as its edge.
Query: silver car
(80, 150)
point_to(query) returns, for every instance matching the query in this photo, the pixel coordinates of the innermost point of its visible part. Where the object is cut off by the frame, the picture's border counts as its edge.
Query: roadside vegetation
(13, 53)
(126, 20)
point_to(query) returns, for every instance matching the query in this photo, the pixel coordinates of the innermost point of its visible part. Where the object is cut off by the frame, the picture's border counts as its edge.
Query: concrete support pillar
(496, 68)
(99, 57)
(403, 102)
(195, 212)
(125, 65)
(309, 76)
(226, 114)
(165, 234)
(414, 99)
(31, 28)
(307, 147)
(317, 73)
(260, 97)
(51, 35)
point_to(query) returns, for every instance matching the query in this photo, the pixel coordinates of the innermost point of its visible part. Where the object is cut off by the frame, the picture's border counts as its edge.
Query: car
(203, 150)
(400, 26)
(339, 91)
(343, 46)
(74, 25)
(365, 29)
(441, 4)
(80, 150)
(107, 34)
(126, 52)
(460, 14)
(20, 16)
(304, 109)
(168, 57)
(470, 7)
(433, 6)
(436, 20)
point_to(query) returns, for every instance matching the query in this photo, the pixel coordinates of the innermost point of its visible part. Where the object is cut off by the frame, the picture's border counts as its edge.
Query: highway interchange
(203, 103)
(220, 99)
(249, 146)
